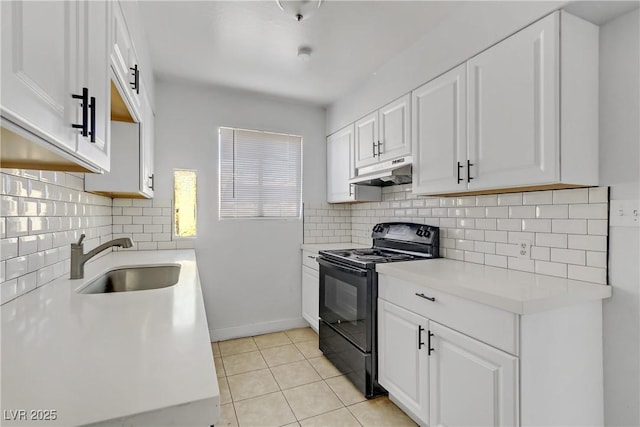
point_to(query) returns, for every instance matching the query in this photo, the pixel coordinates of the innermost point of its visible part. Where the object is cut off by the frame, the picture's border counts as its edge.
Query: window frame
(299, 215)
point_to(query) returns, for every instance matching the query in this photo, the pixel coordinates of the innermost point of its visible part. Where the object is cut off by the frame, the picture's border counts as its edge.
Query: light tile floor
(282, 379)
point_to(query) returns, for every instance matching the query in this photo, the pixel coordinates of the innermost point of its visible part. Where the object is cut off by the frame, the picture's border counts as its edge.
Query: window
(260, 174)
(184, 195)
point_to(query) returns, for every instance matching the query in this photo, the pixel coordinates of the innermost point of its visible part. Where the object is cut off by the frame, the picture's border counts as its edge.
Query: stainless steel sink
(140, 278)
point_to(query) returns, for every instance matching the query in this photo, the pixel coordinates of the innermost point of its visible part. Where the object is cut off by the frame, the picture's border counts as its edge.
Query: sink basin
(139, 278)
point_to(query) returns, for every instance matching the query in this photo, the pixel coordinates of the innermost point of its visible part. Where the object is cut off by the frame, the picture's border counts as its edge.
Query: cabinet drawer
(488, 324)
(309, 259)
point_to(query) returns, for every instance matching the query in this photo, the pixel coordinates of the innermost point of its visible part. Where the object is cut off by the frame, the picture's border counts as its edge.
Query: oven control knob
(426, 233)
(419, 232)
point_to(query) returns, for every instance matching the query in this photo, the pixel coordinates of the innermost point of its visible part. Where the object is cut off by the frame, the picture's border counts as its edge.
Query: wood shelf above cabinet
(119, 110)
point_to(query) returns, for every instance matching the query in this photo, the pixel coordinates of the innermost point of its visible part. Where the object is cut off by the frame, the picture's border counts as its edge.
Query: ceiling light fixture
(300, 9)
(304, 53)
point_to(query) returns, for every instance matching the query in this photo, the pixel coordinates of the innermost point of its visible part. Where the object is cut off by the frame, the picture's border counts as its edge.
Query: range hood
(392, 172)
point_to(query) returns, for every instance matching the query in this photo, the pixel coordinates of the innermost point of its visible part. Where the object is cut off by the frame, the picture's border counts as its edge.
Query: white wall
(619, 169)
(249, 269)
(476, 27)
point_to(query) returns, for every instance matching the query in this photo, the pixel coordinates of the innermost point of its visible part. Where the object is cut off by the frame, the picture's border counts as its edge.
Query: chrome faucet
(79, 258)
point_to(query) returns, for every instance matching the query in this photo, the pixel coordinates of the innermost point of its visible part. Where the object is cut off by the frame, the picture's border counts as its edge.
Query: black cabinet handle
(469, 164)
(350, 190)
(85, 112)
(459, 167)
(135, 84)
(379, 144)
(430, 349)
(373, 145)
(420, 343)
(433, 299)
(152, 177)
(92, 107)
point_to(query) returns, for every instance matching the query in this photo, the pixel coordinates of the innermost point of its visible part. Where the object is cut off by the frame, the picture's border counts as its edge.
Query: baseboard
(256, 329)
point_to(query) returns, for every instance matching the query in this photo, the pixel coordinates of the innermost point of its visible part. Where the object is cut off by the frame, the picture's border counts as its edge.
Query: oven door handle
(343, 268)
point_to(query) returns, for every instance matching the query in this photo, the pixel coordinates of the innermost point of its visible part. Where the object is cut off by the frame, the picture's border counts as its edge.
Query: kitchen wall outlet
(624, 213)
(524, 249)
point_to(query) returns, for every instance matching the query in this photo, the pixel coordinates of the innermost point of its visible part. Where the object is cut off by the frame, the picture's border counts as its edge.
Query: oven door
(345, 301)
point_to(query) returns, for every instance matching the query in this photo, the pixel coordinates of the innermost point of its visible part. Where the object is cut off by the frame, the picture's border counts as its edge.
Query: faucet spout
(79, 258)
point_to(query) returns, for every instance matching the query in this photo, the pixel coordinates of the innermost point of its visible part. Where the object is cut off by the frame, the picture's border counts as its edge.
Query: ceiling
(253, 45)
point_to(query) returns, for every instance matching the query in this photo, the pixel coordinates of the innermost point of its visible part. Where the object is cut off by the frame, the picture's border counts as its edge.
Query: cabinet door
(395, 129)
(38, 72)
(366, 140)
(123, 59)
(439, 134)
(95, 75)
(513, 110)
(340, 166)
(147, 135)
(402, 360)
(310, 296)
(471, 383)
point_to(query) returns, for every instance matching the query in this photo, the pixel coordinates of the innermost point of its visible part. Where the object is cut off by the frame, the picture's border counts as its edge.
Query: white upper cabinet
(394, 129)
(340, 169)
(366, 140)
(94, 43)
(522, 114)
(124, 60)
(340, 165)
(54, 55)
(39, 59)
(513, 110)
(132, 169)
(383, 134)
(440, 133)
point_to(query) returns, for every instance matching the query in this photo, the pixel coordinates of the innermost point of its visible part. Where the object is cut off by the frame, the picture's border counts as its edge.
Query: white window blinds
(260, 174)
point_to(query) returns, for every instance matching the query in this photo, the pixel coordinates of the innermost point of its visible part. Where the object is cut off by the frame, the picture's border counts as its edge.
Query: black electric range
(349, 292)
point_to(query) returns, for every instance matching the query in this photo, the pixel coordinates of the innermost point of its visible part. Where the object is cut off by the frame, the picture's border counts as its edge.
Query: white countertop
(514, 291)
(316, 247)
(103, 357)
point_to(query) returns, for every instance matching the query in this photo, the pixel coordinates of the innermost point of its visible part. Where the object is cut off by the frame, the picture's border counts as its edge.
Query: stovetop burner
(392, 242)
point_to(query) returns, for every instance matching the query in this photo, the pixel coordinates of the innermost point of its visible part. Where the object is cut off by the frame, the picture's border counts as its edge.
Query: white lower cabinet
(442, 377)
(452, 361)
(310, 289)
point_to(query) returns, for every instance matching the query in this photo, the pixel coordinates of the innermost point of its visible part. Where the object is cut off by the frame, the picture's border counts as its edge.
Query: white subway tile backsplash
(521, 264)
(496, 236)
(598, 227)
(569, 226)
(489, 200)
(465, 245)
(568, 256)
(590, 211)
(509, 224)
(44, 211)
(551, 268)
(552, 211)
(27, 245)
(510, 199)
(588, 274)
(577, 195)
(484, 247)
(540, 253)
(497, 212)
(537, 225)
(522, 212)
(17, 226)
(597, 259)
(590, 243)
(15, 267)
(537, 198)
(486, 224)
(599, 195)
(495, 260)
(474, 257)
(8, 248)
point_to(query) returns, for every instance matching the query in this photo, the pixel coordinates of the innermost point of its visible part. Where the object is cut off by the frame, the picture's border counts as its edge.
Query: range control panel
(407, 232)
